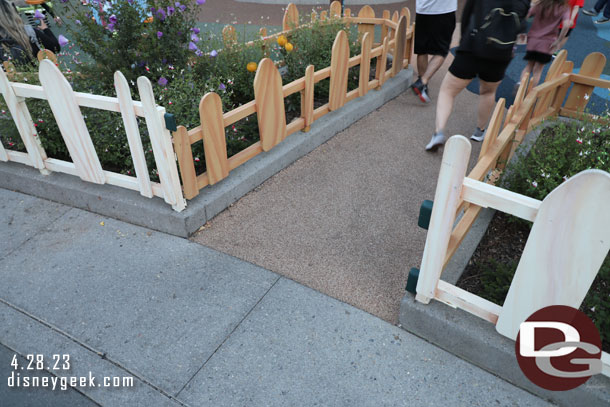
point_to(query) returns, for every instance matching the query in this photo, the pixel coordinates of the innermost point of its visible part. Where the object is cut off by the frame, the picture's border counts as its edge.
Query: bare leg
(422, 64)
(536, 74)
(527, 70)
(450, 88)
(487, 101)
(433, 65)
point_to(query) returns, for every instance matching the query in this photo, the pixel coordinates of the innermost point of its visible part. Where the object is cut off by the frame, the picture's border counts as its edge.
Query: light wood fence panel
(365, 64)
(494, 126)
(446, 200)
(269, 104)
(182, 145)
(307, 96)
(23, 121)
(366, 12)
(555, 70)
(592, 66)
(335, 9)
(564, 252)
(561, 93)
(291, 17)
(384, 27)
(163, 151)
(229, 36)
(71, 123)
(401, 43)
(214, 140)
(338, 71)
(130, 121)
(382, 63)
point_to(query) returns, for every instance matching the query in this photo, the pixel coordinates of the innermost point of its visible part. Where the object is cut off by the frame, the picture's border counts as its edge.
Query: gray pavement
(196, 327)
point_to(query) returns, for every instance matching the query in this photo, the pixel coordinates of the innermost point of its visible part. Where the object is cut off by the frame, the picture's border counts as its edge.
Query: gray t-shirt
(435, 6)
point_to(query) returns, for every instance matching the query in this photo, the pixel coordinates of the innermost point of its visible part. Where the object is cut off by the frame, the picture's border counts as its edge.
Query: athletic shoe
(421, 90)
(602, 20)
(478, 135)
(590, 12)
(437, 140)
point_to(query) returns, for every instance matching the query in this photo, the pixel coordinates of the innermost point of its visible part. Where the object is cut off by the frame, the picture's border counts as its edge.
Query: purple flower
(159, 34)
(195, 30)
(200, 2)
(112, 19)
(162, 81)
(170, 10)
(63, 41)
(182, 7)
(194, 38)
(192, 46)
(38, 14)
(213, 53)
(130, 1)
(198, 53)
(152, 10)
(110, 26)
(77, 22)
(222, 86)
(161, 14)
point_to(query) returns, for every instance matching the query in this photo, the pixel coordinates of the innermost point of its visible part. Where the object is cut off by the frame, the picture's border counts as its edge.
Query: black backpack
(11, 50)
(497, 35)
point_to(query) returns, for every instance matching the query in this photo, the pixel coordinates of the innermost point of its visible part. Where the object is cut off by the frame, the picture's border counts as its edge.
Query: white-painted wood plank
(23, 122)
(490, 196)
(565, 249)
(459, 298)
(163, 150)
(446, 200)
(83, 99)
(71, 123)
(133, 133)
(19, 157)
(3, 155)
(606, 364)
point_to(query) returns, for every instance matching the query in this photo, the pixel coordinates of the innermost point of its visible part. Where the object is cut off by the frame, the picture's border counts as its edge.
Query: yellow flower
(288, 47)
(281, 40)
(251, 67)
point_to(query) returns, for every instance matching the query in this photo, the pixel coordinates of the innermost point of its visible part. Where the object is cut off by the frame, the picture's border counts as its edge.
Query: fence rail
(460, 194)
(397, 40)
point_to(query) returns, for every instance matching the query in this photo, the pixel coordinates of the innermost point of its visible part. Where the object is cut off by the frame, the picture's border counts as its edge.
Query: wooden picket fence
(65, 105)
(466, 195)
(396, 40)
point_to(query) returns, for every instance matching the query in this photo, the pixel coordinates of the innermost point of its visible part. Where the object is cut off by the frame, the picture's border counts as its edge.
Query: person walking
(593, 12)
(489, 32)
(575, 6)
(542, 38)
(434, 26)
(21, 42)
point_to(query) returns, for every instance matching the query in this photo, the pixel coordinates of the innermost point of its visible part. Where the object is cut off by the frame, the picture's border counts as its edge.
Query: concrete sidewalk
(196, 327)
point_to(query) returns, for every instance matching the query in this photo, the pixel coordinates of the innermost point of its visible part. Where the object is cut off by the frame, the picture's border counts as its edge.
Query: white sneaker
(478, 135)
(437, 140)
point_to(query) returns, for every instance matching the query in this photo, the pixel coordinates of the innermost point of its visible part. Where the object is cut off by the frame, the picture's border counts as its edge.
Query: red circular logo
(558, 348)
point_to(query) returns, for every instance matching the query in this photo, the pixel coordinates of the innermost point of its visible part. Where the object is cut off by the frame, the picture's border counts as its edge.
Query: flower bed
(161, 42)
(560, 152)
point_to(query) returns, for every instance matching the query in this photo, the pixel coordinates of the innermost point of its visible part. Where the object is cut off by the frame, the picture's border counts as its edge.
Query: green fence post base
(170, 122)
(412, 280)
(425, 212)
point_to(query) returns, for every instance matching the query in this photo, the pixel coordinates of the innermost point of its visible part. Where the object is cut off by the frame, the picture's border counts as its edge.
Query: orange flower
(251, 67)
(288, 47)
(149, 19)
(282, 40)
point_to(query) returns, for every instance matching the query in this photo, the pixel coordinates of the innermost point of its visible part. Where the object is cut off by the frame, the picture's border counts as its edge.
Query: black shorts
(536, 56)
(433, 33)
(466, 66)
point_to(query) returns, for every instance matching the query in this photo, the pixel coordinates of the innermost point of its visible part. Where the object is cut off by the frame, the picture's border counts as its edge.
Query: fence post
(182, 144)
(214, 140)
(133, 133)
(307, 97)
(493, 128)
(162, 146)
(554, 71)
(229, 36)
(366, 12)
(561, 93)
(384, 28)
(291, 18)
(399, 45)
(446, 201)
(382, 62)
(338, 71)
(269, 97)
(335, 9)
(23, 122)
(365, 64)
(71, 123)
(592, 66)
